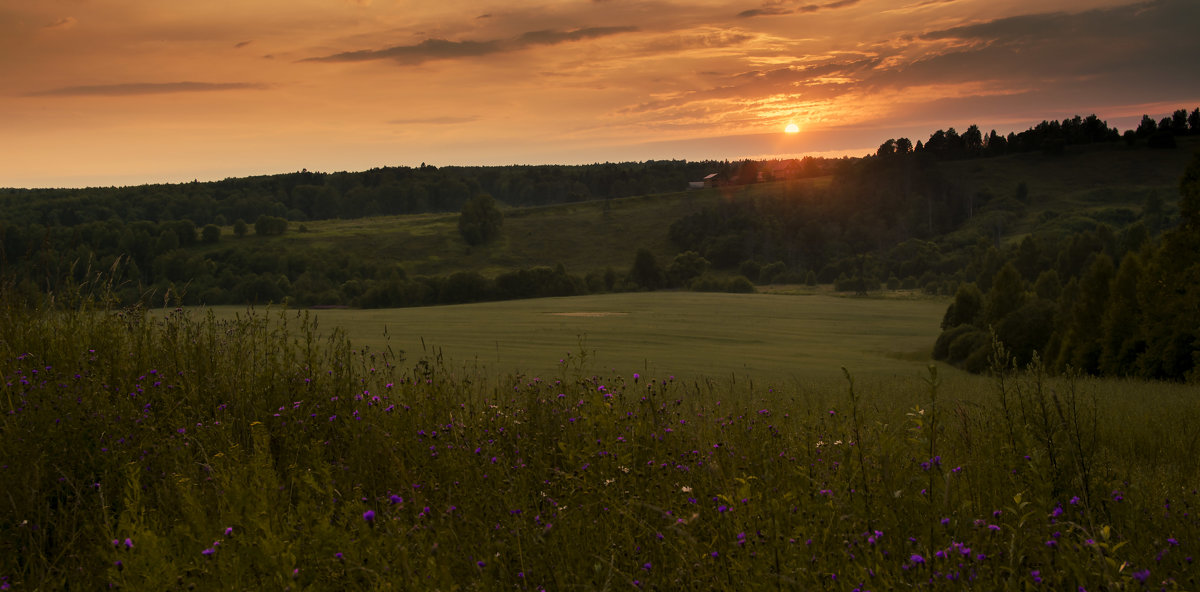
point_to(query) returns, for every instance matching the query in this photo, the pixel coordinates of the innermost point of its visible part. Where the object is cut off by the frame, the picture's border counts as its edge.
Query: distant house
(707, 181)
(779, 170)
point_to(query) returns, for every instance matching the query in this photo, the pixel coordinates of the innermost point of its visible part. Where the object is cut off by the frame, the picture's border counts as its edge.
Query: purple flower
(338, 555)
(1036, 575)
(128, 543)
(369, 516)
(1141, 576)
(481, 563)
(229, 531)
(208, 551)
(646, 566)
(916, 558)
(395, 499)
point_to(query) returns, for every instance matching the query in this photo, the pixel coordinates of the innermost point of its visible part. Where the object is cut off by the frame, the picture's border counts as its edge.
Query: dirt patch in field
(588, 314)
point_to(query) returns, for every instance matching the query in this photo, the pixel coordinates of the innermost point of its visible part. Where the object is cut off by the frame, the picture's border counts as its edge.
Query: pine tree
(1006, 295)
(1121, 341)
(1081, 343)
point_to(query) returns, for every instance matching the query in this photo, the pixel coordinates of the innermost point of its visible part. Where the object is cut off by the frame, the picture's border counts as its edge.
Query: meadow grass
(173, 449)
(766, 337)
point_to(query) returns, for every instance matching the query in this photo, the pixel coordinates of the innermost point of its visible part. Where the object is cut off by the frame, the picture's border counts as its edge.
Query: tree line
(1107, 304)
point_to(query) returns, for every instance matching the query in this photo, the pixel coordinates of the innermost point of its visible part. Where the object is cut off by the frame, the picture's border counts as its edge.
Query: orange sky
(118, 92)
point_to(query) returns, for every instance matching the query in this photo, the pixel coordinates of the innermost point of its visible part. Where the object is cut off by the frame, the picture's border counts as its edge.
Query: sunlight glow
(792, 128)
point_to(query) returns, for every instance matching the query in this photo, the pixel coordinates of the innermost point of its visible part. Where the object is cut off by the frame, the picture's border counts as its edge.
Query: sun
(792, 129)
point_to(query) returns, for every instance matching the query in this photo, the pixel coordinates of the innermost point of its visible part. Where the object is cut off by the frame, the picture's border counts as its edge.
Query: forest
(1103, 292)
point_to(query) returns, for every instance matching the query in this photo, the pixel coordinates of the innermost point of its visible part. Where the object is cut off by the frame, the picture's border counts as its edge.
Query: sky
(128, 92)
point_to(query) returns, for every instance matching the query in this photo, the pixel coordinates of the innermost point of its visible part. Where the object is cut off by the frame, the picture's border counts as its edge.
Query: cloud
(62, 23)
(143, 88)
(780, 8)
(242, 44)
(440, 49)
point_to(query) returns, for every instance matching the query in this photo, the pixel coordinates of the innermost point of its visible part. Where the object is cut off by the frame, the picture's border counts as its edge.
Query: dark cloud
(439, 49)
(782, 8)
(242, 44)
(1139, 44)
(144, 88)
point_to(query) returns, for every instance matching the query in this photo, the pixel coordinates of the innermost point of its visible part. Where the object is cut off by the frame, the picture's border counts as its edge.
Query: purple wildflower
(369, 516)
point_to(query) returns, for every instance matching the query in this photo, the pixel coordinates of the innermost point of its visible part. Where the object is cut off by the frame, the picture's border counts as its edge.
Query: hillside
(920, 216)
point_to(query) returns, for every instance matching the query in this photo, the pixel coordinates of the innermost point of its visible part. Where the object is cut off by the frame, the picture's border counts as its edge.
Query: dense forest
(1098, 293)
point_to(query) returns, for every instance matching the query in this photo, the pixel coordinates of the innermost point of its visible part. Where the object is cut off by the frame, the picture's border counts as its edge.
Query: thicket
(1107, 304)
(156, 449)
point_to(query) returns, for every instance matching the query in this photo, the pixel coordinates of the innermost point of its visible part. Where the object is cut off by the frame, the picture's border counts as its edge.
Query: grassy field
(176, 451)
(765, 336)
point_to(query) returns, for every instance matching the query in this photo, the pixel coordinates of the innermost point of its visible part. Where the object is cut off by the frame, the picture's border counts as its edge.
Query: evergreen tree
(1081, 343)
(1006, 295)
(966, 308)
(1120, 341)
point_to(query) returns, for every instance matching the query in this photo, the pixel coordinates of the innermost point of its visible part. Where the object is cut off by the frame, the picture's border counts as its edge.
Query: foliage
(480, 220)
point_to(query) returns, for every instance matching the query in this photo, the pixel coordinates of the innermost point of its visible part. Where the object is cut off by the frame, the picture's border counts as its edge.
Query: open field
(179, 451)
(765, 336)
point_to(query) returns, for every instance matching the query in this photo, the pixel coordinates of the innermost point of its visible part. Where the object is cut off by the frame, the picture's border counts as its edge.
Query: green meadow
(776, 337)
(179, 449)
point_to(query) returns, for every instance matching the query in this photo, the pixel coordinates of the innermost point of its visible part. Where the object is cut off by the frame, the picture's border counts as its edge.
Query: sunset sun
(792, 129)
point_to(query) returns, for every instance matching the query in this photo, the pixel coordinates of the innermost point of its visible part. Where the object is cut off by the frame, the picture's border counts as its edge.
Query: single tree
(211, 233)
(645, 271)
(480, 221)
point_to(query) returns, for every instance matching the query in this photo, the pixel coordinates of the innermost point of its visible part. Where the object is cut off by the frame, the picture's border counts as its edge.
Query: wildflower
(1141, 576)
(646, 566)
(917, 559)
(395, 499)
(128, 543)
(481, 563)
(369, 516)
(993, 528)
(209, 551)
(1036, 575)
(229, 531)
(1173, 542)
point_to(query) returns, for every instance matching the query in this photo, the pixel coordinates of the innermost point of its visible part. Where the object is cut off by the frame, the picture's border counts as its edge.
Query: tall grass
(167, 450)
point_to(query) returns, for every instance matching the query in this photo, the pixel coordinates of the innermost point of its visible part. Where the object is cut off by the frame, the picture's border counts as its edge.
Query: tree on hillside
(646, 272)
(480, 220)
(210, 234)
(1007, 294)
(1081, 342)
(1121, 343)
(270, 225)
(1170, 290)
